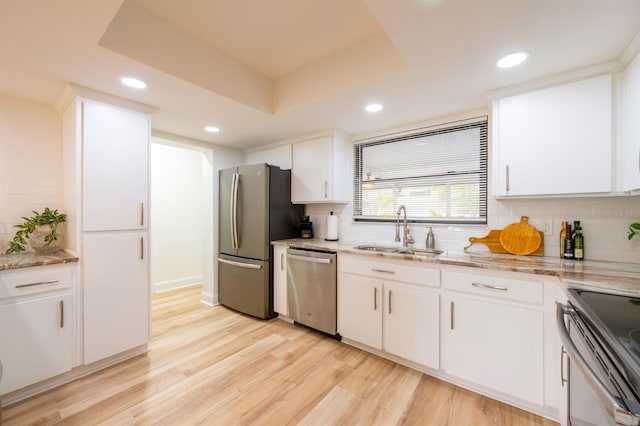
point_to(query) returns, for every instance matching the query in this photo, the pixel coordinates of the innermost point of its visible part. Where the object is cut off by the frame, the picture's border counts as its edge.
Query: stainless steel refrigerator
(254, 209)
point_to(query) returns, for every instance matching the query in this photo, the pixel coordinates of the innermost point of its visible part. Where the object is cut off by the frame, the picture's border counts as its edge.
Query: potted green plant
(41, 231)
(634, 229)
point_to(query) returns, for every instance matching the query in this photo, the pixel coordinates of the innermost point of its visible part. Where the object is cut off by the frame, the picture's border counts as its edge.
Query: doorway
(181, 232)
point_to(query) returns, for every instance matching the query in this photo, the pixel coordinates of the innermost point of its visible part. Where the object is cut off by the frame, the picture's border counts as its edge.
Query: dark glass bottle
(568, 243)
(578, 241)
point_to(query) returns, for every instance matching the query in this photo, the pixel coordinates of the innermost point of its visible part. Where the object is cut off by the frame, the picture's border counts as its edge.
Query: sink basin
(384, 249)
(420, 251)
(415, 251)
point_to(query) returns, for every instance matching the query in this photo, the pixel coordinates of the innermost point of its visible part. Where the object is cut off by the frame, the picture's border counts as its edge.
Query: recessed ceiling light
(512, 59)
(133, 82)
(212, 129)
(373, 108)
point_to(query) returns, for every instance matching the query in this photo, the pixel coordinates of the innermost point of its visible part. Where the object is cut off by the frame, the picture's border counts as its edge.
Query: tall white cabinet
(106, 163)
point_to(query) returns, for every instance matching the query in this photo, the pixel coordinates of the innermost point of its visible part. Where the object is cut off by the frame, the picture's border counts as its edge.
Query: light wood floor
(216, 367)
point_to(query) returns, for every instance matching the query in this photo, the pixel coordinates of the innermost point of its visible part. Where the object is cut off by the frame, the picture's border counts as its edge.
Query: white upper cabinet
(554, 141)
(320, 170)
(115, 172)
(630, 158)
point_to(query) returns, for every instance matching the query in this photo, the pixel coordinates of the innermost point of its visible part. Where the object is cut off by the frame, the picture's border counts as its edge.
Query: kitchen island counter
(613, 277)
(27, 260)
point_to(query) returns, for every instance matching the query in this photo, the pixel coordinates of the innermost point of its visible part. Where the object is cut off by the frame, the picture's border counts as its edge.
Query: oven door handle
(613, 405)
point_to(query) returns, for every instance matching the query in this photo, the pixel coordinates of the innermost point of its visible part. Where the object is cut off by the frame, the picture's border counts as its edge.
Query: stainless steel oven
(603, 367)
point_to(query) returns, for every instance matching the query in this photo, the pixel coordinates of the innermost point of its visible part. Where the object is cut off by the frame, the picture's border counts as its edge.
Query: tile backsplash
(30, 162)
(603, 219)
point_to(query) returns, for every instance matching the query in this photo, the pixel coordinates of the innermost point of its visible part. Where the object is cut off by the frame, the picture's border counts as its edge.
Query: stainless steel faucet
(406, 236)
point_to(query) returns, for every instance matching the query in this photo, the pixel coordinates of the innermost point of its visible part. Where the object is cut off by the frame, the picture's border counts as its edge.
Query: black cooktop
(615, 320)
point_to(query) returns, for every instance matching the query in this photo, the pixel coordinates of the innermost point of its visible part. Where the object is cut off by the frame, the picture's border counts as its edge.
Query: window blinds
(439, 174)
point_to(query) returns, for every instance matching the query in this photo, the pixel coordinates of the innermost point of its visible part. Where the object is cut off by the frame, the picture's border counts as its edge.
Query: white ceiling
(268, 71)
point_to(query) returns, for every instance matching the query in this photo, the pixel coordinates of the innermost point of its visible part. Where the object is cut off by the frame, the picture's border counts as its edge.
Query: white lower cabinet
(36, 326)
(280, 304)
(115, 293)
(399, 318)
(494, 345)
(493, 327)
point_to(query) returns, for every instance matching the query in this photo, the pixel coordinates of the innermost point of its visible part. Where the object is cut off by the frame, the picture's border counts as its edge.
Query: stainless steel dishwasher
(312, 290)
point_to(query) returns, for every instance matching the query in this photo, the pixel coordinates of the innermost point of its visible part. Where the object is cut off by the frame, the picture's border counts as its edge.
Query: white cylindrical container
(332, 227)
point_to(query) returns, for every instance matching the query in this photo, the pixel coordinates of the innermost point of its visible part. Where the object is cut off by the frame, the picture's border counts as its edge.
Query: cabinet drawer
(494, 286)
(34, 280)
(388, 269)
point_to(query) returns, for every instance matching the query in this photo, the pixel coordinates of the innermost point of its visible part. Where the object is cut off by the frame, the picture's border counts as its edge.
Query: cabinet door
(494, 345)
(411, 323)
(556, 140)
(360, 310)
(35, 341)
(280, 304)
(311, 177)
(630, 157)
(115, 170)
(116, 293)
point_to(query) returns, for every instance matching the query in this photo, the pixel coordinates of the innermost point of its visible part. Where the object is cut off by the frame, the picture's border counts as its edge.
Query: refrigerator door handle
(234, 211)
(240, 264)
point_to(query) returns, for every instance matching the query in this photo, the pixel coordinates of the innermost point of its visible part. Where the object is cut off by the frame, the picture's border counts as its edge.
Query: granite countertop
(614, 277)
(27, 260)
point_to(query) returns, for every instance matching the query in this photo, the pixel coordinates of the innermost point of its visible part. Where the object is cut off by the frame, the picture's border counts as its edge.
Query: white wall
(604, 220)
(177, 216)
(30, 162)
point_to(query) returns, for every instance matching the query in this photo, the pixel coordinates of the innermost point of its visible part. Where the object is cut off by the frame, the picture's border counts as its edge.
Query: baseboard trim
(177, 283)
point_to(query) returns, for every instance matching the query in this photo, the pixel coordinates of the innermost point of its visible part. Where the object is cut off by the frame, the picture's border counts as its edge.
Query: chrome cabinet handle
(384, 271)
(375, 298)
(507, 180)
(36, 284)
(282, 261)
(451, 316)
(326, 189)
(141, 248)
(62, 314)
(141, 214)
(389, 301)
(492, 287)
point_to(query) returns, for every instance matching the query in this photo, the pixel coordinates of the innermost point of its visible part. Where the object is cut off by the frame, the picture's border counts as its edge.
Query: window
(438, 173)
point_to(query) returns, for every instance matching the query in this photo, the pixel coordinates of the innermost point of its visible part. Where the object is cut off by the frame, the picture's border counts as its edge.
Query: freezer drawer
(244, 285)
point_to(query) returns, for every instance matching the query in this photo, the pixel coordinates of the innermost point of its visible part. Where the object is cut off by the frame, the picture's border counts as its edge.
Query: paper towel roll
(332, 227)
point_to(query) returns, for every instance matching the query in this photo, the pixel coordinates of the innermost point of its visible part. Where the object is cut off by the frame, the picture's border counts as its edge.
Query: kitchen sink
(383, 249)
(415, 251)
(419, 251)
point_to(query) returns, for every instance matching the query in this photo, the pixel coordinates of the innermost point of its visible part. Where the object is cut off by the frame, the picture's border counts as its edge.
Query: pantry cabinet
(492, 333)
(106, 189)
(36, 325)
(389, 306)
(320, 169)
(556, 140)
(280, 304)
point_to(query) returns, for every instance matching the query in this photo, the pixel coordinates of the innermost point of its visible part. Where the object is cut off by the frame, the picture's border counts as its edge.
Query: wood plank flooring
(213, 366)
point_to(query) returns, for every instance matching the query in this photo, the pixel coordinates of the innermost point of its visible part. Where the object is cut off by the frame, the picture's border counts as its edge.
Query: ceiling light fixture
(212, 129)
(133, 82)
(512, 59)
(373, 108)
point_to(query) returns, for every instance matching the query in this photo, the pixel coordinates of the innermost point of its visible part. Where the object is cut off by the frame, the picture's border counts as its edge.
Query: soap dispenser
(431, 239)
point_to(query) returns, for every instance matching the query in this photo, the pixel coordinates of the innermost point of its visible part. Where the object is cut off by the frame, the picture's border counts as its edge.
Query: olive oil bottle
(563, 235)
(578, 241)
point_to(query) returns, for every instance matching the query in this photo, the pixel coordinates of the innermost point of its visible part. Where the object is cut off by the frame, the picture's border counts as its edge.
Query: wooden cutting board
(520, 238)
(492, 241)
